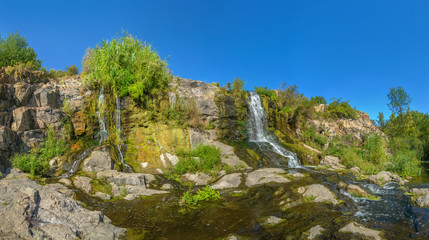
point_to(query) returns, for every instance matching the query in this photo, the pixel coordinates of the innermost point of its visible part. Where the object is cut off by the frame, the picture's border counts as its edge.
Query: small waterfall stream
(259, 135)
(103, 133)
(127, 168)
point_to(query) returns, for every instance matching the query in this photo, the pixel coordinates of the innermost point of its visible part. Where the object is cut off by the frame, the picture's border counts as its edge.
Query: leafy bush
(203, 195)
(72, 70)
(127, 66)
(406, 163)
(202, 158)
(374, 149)
(14, 49)
(341, 109)
(267, 92)
(36, 162)
(318, 100)
(237, 86)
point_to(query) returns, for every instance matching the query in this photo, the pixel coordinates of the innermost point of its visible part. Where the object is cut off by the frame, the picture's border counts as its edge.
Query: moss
(101, 186)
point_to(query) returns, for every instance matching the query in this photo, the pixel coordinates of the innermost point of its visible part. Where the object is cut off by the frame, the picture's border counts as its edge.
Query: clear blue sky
(351, 49)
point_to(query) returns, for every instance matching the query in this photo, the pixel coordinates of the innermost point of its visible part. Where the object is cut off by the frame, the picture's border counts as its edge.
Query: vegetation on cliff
(15, 50)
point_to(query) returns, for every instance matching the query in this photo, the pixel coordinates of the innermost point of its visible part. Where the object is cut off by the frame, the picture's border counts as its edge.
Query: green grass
(101, 186)
(203, 195)
(201, 159)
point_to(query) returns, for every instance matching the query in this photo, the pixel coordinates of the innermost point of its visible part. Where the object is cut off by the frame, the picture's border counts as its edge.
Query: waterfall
(127, 168)
(103, 133)
(259, 134)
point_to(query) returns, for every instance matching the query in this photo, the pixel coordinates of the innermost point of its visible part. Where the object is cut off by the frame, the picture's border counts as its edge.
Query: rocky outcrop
(358, 128)
(265, 175)
(331, 162)
(32, 211)
(98, 160)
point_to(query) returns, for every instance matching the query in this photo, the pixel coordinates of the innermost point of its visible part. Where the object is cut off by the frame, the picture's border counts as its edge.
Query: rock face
(265, 175)
(98, 160)
(357, 128)
(32, 211)
(358, 229)
(228, 181)
(318, 193)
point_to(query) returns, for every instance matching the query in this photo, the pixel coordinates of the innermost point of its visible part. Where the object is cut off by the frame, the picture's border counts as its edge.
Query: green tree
(14, 49)
(399, 101)
(318, 100)
(237, 86)
(72, 70)
(380, 119)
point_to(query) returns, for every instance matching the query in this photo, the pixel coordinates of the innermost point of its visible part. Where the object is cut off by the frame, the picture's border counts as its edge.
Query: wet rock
(121, 178)
(197, 178)
(318, 193)
(129, 192)
(332, 162)
(103, 196)
(229, 157)
(358, 229)
(423, 201)
(65, 181)
(342, 184)
(314, 232)
(228, 181)
(357, 191)
(83, 183)
(99, 160)
(420, 191)
(295, 175)
(270, 221)
(32, 211)
(265, 175)
(167, 186)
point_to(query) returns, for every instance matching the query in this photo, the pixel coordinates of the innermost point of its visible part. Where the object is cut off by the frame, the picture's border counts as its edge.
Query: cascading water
(127, 168)
(259, 135)
(103, 133)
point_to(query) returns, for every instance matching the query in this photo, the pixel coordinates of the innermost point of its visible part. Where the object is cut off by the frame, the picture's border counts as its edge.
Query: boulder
(314, 232)
(129, 192)
(265, 175)
(228, 181)
(355, 170)
(423, 201)
(385, 176)
(357, 191)
(65, 181)
(99, 160)
(103, 196)
(420, 191)
(358, 229)
(32, 211)
(332, 162)
(166, 186)
(198, 178)
(83, 183)
(228, 156)
(318, 193)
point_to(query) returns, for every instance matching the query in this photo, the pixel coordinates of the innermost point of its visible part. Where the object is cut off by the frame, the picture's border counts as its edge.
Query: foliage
(14, 49)
(52, 73)
(128, 67)
(203, 158)
(36, 162)
(399, 101)
(267, 92)
(184, 112)
(72, 70)
(318, 100)
(203, 195)
(341, 109)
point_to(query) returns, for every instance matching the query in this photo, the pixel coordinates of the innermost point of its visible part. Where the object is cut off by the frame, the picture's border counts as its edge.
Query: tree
(399, 100)
(72, 70)
(14, 49)
(380, 120)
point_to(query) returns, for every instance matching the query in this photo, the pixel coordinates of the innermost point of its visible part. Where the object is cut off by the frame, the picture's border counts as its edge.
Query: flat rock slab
(265, 175)
(121, 178)
(32, 211)
(131, 192)
(270, 221)
(356, 228)
(228, 181)
(319, 192)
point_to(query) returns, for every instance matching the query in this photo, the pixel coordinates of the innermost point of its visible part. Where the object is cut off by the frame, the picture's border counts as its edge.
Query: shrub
(14, 49)
(341, 109)
(267, 92)
(202, 158)
(36, 162)
(127, 66)
(374, 149)
(318, 100)
(202, 195)
(406, 163)
(237, 86)
(72, 70)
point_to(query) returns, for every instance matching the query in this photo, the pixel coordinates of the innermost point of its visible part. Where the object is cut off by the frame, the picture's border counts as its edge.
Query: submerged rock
(32, 211)
(356, 228)
(314, 232)
(265, 175)
(228, 181)
(357, 191)
(318, 193)
(270, 221)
